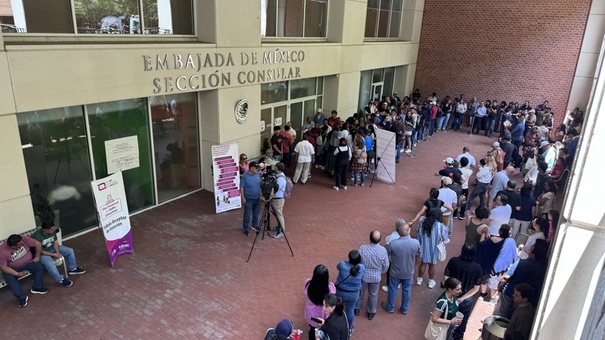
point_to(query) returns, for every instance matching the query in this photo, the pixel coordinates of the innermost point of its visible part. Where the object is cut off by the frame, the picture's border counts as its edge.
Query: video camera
(268, 183)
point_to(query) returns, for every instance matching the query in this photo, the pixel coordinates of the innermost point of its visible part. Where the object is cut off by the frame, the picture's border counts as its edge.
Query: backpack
(289, 186)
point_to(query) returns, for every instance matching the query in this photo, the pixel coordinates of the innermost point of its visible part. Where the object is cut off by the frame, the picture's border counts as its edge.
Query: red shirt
(16, 258)
(434, 111)
(288, 140)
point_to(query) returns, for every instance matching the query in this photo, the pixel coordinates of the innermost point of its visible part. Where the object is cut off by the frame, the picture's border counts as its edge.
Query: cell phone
(318, 320)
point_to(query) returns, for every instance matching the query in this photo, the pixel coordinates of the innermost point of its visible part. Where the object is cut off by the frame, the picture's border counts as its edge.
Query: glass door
(297, 118)
(377, 91)
(270, 117)
(124, 122)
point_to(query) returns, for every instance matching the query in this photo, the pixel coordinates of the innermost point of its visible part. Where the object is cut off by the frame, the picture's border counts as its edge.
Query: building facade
(165, 80)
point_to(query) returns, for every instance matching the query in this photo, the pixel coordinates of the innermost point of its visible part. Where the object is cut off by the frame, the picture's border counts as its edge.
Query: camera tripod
(264, 226)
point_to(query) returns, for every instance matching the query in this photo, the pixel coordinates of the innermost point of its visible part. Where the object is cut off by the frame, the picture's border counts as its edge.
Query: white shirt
(304, 150)
(467, 173)
(498, 216)
(449, 197)
(484, 175)
(471, 159)
(461, 107)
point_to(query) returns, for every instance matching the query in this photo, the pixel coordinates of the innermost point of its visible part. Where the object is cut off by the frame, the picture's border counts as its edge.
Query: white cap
(544, 143)
(448, 160)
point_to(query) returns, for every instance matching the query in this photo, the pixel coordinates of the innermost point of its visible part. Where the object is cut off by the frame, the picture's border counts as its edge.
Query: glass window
(99, 16)
(119, 119)
(274, 92)
(33, 16)
(175, 140)
(293, 18)
(389, 78)
(302, 88)
(383, 18)
(57, 164)
(377, 76)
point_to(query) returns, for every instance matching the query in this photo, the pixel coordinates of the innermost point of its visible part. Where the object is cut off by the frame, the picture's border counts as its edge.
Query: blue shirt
(348, 287)
(517, 133)
(251, 185)
(403, 252)
(368, 142)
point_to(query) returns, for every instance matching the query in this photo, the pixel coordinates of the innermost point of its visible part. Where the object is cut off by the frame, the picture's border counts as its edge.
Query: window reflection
(383, 18)
(175, 139)
(294, 18)
(118, 119)
(57, 165)
(274, 92)
(98, 16)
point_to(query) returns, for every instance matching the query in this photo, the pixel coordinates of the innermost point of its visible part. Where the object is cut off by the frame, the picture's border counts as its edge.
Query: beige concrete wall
(15, 205)
(7, 104)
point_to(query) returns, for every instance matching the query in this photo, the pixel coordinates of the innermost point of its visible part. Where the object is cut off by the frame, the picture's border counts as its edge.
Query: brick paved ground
(189, 277)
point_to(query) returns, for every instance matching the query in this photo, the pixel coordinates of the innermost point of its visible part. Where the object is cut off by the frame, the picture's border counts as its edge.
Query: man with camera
(277, 203)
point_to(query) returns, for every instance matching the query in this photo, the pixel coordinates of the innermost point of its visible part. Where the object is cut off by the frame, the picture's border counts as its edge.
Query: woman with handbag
(336, 326)
(315, 290)
(359, 162)
(431, 232)
(444, 318)
(348, 283)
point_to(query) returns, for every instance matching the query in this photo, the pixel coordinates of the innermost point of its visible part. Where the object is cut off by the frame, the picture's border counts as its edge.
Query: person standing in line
(469, 273)
(374, 257)
(342, 156)
(250, 193)
(431, 231)
(348, 283)
(444, 314)
(304, 154)
(277, 141)
(403, 252)
(315, 289)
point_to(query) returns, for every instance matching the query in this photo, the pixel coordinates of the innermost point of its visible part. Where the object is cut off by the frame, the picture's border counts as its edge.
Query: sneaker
(419, 281)
(361, 184)
(23, 302)
(66, 283)
(345, 187)
(336, 188)
(461, 218)
(408, 151)
(493, 301)
(432, 284)
(279, 235)
(77, 271)
(40, 291)
(385, 289)
(256, 229)
(246, 233)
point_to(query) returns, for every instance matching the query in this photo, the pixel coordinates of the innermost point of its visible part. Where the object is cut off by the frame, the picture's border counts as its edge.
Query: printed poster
(226, 177)
(385, 155)
(114, 219)
(122, 154)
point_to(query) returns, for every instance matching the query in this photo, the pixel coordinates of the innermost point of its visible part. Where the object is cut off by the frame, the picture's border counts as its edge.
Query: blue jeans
(358, 174)
(480, 191)
(457, 122)
(465, 308)
(398, 146)
(36, 269)
(439, 121)
(431, 127)
(478, 124)
(445, 121)
(349, 309)
(49, 264)
(406, 293)
(252, 206)
(414, 136)
(489, 126)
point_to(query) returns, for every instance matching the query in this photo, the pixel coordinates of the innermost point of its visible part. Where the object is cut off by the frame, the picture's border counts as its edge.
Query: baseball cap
(253, 164)
(448, 160)
(496, 145)
(319, 110)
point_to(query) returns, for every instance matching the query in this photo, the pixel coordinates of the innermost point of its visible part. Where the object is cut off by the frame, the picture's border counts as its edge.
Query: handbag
(435, 331)
(441, 249)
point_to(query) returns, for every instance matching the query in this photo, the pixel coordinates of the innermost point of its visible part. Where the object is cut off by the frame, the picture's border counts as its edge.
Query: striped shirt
(374, 257)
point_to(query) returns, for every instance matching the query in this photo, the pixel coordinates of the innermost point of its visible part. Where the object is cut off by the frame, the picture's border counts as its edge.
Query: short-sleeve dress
(430, 253)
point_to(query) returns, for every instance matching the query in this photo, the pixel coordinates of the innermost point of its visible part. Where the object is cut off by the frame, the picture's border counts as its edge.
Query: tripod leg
(288, 242)
(252, 248)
